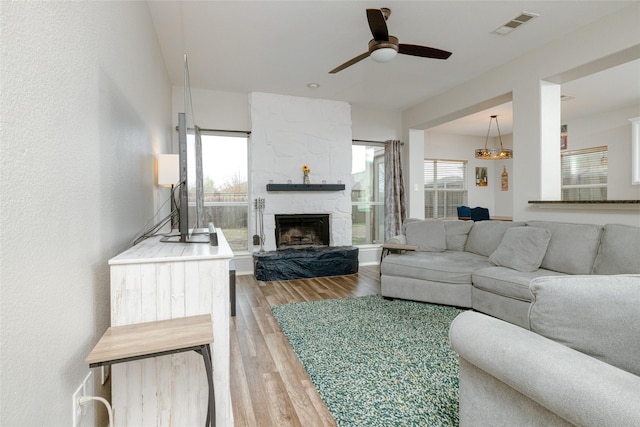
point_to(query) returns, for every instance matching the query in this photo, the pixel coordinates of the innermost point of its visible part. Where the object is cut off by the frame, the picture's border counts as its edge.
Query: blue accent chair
(464, 212)
(480, 214)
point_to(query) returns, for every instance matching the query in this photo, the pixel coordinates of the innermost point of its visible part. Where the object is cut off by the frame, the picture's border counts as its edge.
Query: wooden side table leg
(384, 252)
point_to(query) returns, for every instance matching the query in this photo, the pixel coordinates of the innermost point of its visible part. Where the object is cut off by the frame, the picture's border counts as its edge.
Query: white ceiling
(281, 46)
(611, 89)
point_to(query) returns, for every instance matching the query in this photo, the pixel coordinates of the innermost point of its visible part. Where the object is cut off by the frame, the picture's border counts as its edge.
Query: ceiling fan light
(384, 54)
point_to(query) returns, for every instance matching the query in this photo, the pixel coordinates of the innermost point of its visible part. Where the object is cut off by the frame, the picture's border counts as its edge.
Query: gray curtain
(395, 210)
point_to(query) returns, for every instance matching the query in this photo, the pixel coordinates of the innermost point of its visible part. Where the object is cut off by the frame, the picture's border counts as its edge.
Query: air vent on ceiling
(516, 22)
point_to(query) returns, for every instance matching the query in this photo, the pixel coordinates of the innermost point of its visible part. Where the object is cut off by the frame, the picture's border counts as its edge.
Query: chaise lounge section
(577, 365)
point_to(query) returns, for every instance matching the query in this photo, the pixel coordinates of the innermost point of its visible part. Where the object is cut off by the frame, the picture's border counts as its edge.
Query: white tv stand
(157, 281)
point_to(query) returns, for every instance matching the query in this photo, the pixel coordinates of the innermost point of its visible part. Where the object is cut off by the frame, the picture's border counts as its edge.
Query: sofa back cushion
(522, 248)
(619, 251)
(485, 236)
(428, 235)
(572, 248)
(456, 233)
(407, 221)
(596, 315)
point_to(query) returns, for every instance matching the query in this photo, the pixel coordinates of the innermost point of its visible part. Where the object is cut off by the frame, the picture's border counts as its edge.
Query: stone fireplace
(286, 133)
(302, 230)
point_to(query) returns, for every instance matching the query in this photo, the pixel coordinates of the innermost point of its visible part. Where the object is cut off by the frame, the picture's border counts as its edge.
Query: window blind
(445, 187)
(584, 174)
(445, 174)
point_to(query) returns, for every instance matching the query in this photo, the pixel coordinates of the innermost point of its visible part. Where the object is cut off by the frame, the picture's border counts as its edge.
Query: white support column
(414, 173)
(551, 175)
(536, 145)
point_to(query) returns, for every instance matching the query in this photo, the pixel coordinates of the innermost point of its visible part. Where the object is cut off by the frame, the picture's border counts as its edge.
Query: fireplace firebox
(302, 230)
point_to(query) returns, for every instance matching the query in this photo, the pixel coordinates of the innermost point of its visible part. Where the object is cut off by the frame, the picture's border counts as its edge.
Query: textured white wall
(86, 105)
(288, 132)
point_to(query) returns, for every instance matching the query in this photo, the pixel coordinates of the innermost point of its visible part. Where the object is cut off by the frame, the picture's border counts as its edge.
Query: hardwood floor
(269, 386)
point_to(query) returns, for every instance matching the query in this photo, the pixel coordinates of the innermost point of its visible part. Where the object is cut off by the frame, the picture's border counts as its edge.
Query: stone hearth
(302, 263)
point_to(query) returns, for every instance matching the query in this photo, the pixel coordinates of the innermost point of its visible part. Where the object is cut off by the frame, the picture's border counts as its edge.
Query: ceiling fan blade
(423, 51)
(349, 63)
(377, 24)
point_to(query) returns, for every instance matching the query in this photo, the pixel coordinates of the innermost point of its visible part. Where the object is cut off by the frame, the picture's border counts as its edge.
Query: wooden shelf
(305, 187)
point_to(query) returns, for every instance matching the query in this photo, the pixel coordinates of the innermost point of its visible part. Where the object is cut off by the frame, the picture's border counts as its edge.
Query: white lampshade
(384, 54)
(168, 169)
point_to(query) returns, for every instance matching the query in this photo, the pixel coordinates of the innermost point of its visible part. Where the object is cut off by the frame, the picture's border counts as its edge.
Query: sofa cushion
(407, 221)
(596, 315)
(572, 248)
(485, 236)
(456, 233)
(447, 267)
(508, 282)
(619, 251)
(522, 248)
(428, 235)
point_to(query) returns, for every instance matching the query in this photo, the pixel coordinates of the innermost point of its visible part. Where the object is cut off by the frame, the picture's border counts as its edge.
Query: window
(445, 187)
(367, 193)
(226, 198)
(584, 174)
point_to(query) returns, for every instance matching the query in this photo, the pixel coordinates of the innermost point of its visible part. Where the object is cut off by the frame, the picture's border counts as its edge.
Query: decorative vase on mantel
(305, 176)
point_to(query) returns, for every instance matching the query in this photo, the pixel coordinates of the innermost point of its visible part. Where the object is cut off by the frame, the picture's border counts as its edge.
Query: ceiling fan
(383, 47)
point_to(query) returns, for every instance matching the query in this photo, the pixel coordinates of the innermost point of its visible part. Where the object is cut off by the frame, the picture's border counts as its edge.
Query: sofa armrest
(399, 239)
(574, 386)
(595, 315)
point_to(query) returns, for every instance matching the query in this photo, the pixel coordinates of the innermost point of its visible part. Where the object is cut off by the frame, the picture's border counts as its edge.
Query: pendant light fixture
(493, 153)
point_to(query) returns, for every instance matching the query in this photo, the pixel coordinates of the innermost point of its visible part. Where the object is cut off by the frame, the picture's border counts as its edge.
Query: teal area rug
(377, 362)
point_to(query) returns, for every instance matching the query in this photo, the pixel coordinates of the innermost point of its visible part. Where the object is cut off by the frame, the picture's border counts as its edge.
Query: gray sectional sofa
(488, 265)
(554, 336)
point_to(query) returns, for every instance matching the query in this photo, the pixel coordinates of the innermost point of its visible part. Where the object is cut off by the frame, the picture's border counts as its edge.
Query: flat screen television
(191, 204)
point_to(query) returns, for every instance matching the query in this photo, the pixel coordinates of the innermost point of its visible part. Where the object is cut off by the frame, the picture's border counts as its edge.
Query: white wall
(213, 109)
(444, 146)
(231, 111)
(611, 129)
(503, 202)
(375, 125)
(85, 107)
(523, 77)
